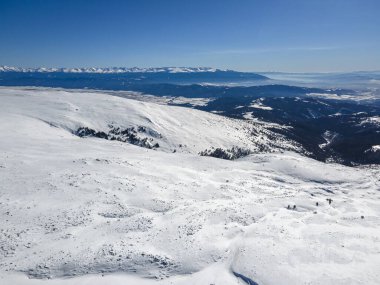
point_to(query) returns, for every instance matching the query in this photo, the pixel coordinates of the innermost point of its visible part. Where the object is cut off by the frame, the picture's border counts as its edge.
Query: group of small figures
(294, 207)
(317, 204)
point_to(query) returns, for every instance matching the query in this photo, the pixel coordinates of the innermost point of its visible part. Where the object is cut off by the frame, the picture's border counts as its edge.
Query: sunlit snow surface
(74, 209)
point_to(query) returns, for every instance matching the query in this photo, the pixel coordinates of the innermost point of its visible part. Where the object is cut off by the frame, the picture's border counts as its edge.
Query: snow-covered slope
(173, 128)
(75, 209)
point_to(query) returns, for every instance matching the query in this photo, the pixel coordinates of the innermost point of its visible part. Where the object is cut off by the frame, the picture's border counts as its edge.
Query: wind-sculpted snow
(97, 211)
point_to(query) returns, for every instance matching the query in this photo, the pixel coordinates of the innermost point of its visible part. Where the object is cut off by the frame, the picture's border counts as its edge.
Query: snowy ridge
(173, 128)
(112, 69)
(94, 211)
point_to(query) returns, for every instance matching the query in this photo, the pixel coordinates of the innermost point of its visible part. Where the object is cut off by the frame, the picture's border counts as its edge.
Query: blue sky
(248, 35)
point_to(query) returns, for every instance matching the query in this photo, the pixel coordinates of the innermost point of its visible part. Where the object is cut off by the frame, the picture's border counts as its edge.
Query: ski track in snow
(73, 209)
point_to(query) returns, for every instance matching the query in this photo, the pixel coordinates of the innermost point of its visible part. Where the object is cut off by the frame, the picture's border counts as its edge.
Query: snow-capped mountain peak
(111, 69)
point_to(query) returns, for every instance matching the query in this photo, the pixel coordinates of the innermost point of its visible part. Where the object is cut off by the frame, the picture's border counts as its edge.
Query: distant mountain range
(114, 69)
(187, 75)
(120, 78)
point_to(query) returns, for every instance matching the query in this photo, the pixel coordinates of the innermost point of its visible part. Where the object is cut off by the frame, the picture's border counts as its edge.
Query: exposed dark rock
(247, 280)
(87, 132)
(229, 154)
(128, 135)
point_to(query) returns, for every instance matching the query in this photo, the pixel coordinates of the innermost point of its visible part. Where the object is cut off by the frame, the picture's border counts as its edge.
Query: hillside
(87, 197)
